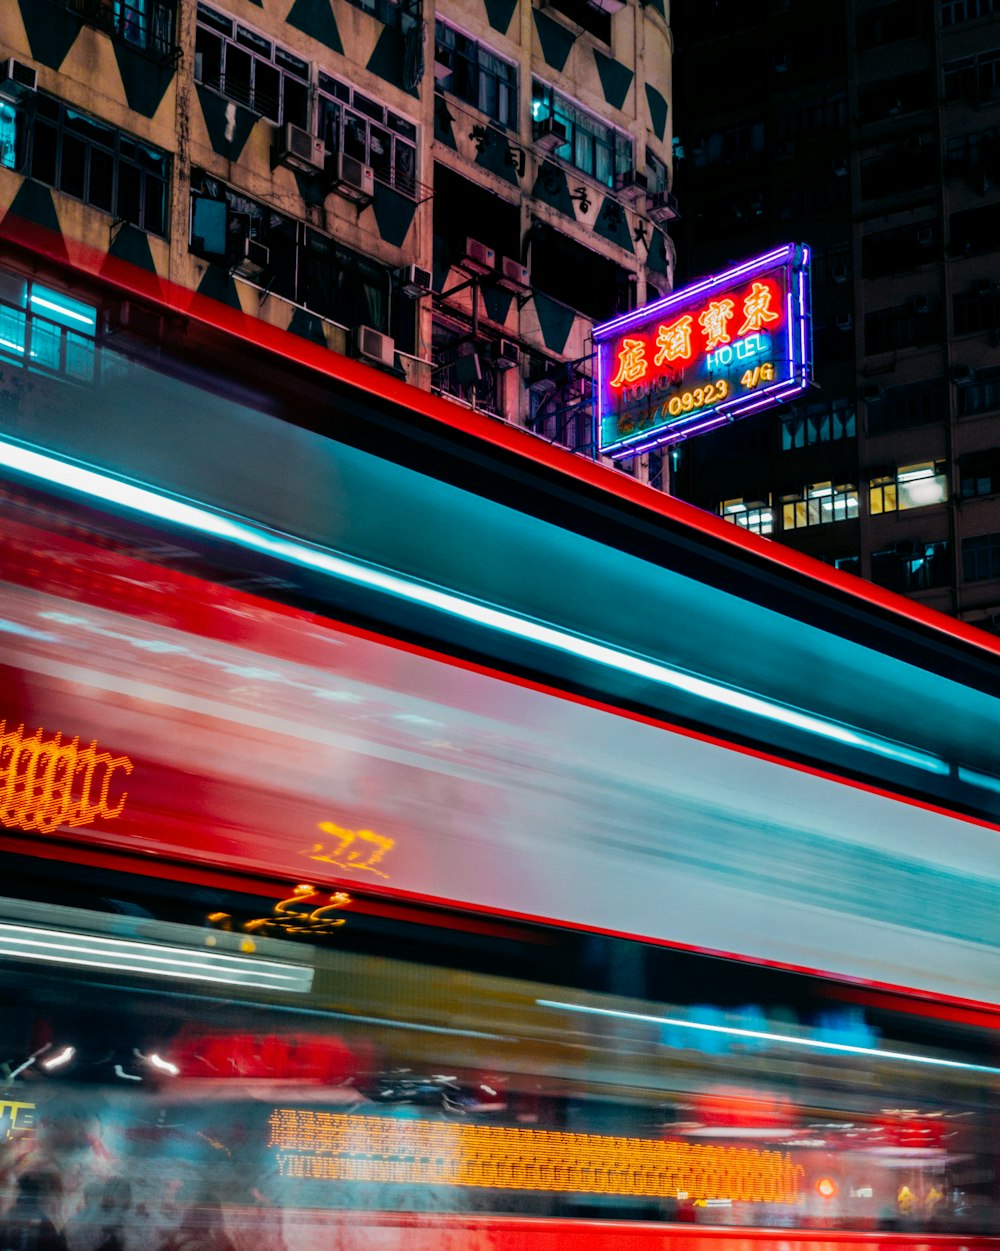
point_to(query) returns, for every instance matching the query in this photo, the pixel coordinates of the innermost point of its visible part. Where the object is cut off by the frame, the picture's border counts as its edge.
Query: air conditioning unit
(252, 258)
(920, 304)
(415, 281)
(607, 6)
(550, 134)
(514, 276)
(506, 355)
(478, 258)
(838, 272)
(661, 206)
(353, 179)
(16, 80)
(839, 167)
(872, 394)
(845, 321)
(963, 375)
(372, 345)
(298, 149)
(925, 236)
(632, 187)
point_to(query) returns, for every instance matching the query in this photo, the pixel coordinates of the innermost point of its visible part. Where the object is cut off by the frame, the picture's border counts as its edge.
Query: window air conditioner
(372, 345)
(298, 149)
(838, 272)
(478, 258)
(845, 321)
(631, 187)
(920, 304)
(16, 80)
(353, 179)
(661, 206)
(514, 276)
(925, 237)
(252, 258)
(963, 375)
(506, 355)
(550, 134)
(839, 167)
(415, 281)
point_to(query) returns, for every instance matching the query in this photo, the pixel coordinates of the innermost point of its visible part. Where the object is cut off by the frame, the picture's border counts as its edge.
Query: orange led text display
(333, 1146)
(46, 783)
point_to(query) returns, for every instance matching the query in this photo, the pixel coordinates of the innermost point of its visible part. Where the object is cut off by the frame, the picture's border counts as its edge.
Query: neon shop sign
(723, 348)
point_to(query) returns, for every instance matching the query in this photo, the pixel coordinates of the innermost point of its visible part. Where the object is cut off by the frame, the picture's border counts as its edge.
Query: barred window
(45, 331)
(146, 24)
(364, 128)
(252, 70)
(98, 164)
(465, 68)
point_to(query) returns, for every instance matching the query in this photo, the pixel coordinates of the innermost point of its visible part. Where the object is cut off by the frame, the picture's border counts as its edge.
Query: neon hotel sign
(723, 348)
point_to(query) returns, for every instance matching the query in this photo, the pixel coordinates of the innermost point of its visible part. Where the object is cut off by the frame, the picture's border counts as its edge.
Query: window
(904, 165)
(975, 230)
(919, 404)
(591, 145)
(657, 173)
(590, 17)
(912, 565)
(915, 324)
(364, 128)
(575, 276)
(755, 516)
(889, 23)
(250, 69)
(736, 143)
(973, 78)
(910, 486)
(890, 97)
(45, 330)
(978, 152)
(812, 193)
(955, 11)
(819, 504)
(386, 11)
(899, 249)
(302, 265)
(466, 370)
(976, 311)
(146, 24)
(981, 558)
(979, 473)
(980, 396)
(818, 423)
(822, 113)
(9, 130)
(105, 168)
(464, 68)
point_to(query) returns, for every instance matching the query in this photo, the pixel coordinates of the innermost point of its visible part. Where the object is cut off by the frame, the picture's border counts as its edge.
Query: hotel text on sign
(720, 349)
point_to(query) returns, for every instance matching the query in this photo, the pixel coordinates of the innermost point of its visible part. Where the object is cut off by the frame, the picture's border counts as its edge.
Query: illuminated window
(911, 486)
(591, 144)
(365, 129)
(98, 164)
(463, 67)
(9, 119)
(46, 331)
(252, 70)
(912, 565)
(755, 516)
(818, 423)
(818, 505)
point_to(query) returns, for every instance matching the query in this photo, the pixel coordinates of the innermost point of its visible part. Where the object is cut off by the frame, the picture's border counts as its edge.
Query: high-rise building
(453, 194)
(870, 131)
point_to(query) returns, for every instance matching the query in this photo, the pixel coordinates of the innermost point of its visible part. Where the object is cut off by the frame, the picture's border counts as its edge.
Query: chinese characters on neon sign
(722, 348)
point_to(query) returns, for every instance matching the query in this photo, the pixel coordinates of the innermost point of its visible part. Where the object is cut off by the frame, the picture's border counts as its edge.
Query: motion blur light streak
(735, 1032)
(27, 942)
(155, 504)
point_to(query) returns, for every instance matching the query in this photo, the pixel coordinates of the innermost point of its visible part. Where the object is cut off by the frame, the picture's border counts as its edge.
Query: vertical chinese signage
(718, 350)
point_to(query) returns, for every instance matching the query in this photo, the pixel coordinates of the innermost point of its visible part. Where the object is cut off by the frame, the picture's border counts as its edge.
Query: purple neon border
(767, 260)
(741, 407)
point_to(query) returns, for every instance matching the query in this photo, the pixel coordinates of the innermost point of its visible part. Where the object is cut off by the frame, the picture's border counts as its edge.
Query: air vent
(478, 258)
(415, 281)
(372, 345)
(514, 276)
(298, 149)
(353, 179)
(252, 259)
